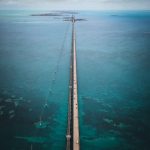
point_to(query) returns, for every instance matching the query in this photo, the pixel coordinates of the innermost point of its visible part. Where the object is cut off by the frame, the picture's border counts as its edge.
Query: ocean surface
(113, 60)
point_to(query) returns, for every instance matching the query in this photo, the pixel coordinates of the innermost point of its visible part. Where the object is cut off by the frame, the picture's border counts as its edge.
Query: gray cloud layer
(79, 4)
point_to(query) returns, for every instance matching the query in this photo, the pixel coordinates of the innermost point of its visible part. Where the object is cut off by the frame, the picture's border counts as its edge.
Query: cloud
(79, 4)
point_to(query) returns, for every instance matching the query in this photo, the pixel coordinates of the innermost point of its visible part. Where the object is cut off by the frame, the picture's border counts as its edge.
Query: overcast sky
(77, 4)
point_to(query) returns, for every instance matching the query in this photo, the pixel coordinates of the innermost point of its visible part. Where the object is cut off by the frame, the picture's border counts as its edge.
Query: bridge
(72, 135)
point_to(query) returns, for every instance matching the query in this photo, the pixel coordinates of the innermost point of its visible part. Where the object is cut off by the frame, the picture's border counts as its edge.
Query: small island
(48, 14)
(55, 13)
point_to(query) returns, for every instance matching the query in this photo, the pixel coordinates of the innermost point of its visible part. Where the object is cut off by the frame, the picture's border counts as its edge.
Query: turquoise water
(113, 80)
(30, 49)
(114, 84)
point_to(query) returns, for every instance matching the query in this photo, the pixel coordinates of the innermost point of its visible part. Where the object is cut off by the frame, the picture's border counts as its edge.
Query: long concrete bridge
(72, 136)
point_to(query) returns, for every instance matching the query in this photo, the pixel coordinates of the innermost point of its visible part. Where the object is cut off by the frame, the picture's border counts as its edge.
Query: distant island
(55, 13)
(69, 18)
(47, 14)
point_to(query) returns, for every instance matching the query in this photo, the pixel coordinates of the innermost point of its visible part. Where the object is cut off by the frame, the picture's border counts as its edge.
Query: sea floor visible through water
(113, 79)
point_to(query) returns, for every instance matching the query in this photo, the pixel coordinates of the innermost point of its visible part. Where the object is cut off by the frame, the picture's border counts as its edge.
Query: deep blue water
(113, 51)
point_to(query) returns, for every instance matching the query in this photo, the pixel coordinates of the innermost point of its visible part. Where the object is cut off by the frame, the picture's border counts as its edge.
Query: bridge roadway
(73, 119)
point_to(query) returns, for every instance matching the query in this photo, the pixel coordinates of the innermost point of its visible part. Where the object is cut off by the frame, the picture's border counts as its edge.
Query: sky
(77, 4)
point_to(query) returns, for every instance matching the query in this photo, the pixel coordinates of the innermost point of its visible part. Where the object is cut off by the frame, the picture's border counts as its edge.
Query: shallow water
(31, 67)
(113, 80)
(114, 83)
